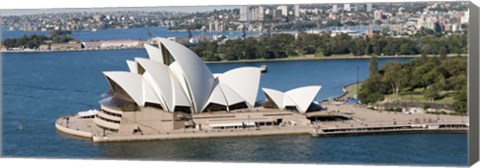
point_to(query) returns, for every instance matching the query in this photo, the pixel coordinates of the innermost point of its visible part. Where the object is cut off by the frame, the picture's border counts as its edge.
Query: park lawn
(419, 97)
(352, 89)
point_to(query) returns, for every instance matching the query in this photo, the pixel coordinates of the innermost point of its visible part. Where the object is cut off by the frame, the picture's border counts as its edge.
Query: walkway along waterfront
(363, 121)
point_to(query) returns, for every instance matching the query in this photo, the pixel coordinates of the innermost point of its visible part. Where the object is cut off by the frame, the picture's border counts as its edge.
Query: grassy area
(352, 89)
(420, 98)
(415, 95)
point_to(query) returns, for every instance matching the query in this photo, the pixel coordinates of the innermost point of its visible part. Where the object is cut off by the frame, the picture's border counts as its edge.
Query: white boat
(263, 68)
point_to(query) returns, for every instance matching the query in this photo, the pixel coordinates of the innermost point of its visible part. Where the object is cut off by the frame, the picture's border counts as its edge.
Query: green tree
(395, 76)
(373, 67)
(358, 47)
(250, 48)
(460, 104)
(443, 53)
(372, 89)
(341, 43)
(432, 93)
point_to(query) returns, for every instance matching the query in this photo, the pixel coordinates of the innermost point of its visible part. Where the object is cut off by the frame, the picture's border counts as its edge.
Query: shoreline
(333, 57)
(362, 121)
(293, 58)
(81, 50)
(313, 130)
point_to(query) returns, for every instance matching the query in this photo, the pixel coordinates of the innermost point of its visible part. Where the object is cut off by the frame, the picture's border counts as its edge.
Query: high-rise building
(334, 9)
(217, 25)
(369, 7)
(211, 26)
(297, 11)
(378, 15)
(284, 9)
(267, 11)
(277, 13)
(258, 14)
(245, 14)
(347, 8)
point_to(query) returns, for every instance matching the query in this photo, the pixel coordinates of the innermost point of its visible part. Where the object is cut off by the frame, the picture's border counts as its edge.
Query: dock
(423, 128)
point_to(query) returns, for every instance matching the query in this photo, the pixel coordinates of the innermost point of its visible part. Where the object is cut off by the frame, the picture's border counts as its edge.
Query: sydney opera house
(175, 90)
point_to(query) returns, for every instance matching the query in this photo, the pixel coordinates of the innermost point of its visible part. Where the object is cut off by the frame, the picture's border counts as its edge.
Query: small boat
(20, 126)
(263, 68)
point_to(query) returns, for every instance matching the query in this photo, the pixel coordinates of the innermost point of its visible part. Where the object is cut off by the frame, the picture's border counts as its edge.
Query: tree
(443, 53)
(431, 93)
(358, 47)
(234, 49)
(460, 104)
(424, 53)
(395, 75)
(407, 47)
(250, 48)
(373, 67)
(378, 42)
(341, 44)
(372, 89)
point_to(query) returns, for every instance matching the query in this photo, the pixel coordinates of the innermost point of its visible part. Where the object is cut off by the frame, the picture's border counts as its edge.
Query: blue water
(40, 87)
(122, 34)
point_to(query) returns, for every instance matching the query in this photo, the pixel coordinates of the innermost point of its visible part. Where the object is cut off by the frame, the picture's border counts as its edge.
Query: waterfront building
(3, 48)
(174, 89)
(44, 47)
(120, 44)
(92, 45)
(72, 45)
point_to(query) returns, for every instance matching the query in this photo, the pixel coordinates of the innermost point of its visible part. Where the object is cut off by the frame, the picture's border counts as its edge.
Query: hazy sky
(163, 8)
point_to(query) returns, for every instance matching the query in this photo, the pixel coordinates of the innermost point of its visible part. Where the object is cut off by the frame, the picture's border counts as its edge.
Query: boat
(263, 68)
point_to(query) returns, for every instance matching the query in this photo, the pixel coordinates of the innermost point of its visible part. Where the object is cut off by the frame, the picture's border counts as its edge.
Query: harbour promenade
(361, 121)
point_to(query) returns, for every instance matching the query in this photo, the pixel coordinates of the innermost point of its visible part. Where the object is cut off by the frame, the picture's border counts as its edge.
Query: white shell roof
(154, 53)
(244, 81)
(217, 97)
(132, 66)
(301, 97)
(276, 96)
(186, 82)
(131, 83)
(230, 95)
(196, 73)
(163, 83)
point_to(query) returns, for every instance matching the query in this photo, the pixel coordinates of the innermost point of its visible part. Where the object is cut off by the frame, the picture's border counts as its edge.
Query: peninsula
(173, 95)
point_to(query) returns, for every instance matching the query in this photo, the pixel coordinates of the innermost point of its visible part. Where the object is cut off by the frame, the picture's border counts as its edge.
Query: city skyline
(185, 9)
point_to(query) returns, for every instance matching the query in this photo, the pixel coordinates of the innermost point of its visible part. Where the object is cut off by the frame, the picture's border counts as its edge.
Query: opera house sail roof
(175, 77)
(300, 98)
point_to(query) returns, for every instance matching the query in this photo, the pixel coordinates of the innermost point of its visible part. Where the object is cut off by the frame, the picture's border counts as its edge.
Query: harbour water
(40, 87)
